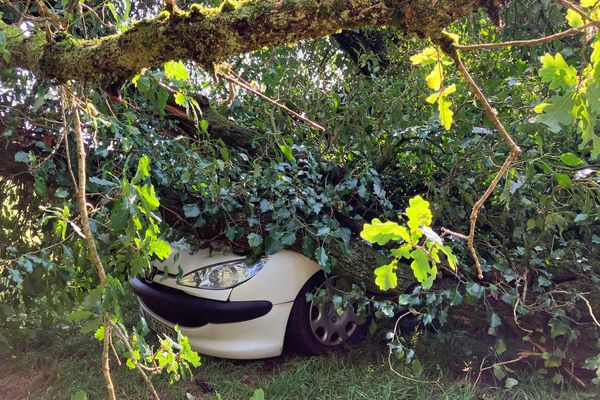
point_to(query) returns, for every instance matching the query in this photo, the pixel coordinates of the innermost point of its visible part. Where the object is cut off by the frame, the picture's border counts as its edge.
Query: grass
(65, 361)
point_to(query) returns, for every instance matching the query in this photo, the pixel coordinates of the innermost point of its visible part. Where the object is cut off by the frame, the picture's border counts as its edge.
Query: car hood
(189, 262)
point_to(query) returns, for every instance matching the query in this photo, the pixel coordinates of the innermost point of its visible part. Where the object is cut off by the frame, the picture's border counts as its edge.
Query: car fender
(279, 281)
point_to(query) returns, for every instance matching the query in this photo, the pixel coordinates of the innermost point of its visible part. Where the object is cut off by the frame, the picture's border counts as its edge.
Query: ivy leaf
(511, 383)
(289, 238)
(423, 270)
(101, 182)
(382, 232)
(570, 160)
(385, 276)
(557, 72)
(254, 239)
(273, 245)
(22, 157)
(191, 210)
(230, 233)
(495, 321)
(322, 257)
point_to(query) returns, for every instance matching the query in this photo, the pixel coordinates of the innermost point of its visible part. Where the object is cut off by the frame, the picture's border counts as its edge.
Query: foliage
(294, 187)
(424, 253)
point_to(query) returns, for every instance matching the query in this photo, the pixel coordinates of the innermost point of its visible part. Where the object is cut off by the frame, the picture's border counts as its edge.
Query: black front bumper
(181, 308)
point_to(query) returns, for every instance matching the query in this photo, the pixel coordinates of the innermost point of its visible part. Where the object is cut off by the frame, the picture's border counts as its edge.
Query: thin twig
(587, 302)
(66, 140)
(576, 8)
(89, 238)
(125, 341)
(530, 42)
(236, 80)
(515, 151)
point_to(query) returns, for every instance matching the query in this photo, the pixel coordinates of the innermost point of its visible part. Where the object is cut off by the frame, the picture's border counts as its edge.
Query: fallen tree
(259, 188)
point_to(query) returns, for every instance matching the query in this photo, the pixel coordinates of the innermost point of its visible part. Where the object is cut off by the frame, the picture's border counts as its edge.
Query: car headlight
(221, 276)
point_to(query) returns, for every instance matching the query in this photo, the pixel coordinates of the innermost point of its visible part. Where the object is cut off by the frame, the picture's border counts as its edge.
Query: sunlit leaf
(385, 276)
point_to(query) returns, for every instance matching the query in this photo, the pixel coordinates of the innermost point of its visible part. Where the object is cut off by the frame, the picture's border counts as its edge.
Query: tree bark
(209, 35)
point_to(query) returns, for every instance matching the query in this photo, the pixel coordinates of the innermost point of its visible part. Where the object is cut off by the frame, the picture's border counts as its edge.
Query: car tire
(316, 329)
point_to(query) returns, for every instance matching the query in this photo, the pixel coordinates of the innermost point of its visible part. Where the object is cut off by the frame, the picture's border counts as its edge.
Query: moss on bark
(208, 35)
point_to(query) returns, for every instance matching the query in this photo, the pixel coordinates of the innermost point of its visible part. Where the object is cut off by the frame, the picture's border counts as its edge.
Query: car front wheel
(317, 326)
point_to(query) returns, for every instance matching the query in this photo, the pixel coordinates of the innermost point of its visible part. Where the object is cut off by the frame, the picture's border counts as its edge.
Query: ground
(64, 361)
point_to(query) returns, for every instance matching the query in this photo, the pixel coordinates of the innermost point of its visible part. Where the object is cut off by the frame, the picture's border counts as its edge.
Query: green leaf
(191, 210)
(500, 347)
(180, 98)
(204, 126)
(79, 315)
(402, 251)
(289, 238)
(143, 170)
(22, 157)
(101, 182)
(495, 321)
(273, 245)
(287, 152)
(385, 276)
(574, 19)
(418, 213)
(322, 258)
(382, 232)
(558, 328)
(259, 394)
(435, 96)
(557, 72)
(176, 70)
(428, 56)
(571, 160)
(160, 248)
(557, 113)
(423, 270)
(452, 259)
(119, 217)
(147, 196)
(254, 240)
(445, 113)
(563, 180)
(79, 395)
(435, 77)
(61, 193)
(511, 383)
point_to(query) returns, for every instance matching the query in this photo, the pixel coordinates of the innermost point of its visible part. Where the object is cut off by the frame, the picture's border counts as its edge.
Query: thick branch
(208, 35)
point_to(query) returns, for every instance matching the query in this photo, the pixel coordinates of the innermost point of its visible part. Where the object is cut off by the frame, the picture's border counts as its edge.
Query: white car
(232, 309)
